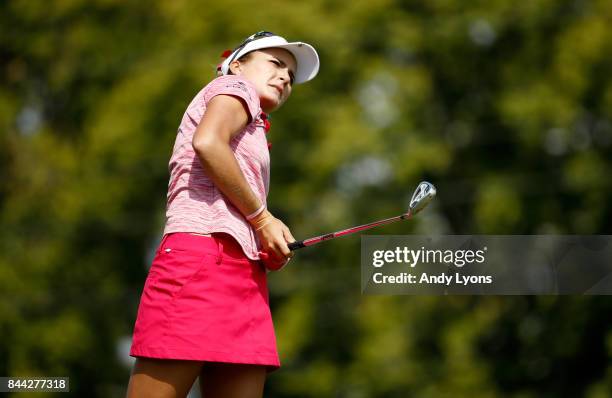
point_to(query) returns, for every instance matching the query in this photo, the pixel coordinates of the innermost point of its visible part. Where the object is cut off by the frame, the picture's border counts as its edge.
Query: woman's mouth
(279, 89)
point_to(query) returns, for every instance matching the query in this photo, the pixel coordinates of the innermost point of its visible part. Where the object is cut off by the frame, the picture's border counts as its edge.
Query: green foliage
(505, 106)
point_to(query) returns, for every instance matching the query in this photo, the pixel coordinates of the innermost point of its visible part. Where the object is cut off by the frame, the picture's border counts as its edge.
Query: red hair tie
(225, 54)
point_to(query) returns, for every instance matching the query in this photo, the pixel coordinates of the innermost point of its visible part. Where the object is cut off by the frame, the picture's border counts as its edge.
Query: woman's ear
(235, 67)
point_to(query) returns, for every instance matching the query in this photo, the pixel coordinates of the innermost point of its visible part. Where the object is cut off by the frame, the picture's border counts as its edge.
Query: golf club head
(421, 197)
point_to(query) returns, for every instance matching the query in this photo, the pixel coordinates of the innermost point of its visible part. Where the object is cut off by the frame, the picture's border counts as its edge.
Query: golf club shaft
(312, 241)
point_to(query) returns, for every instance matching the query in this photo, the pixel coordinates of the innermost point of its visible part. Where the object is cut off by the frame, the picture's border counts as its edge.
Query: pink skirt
(204, 300)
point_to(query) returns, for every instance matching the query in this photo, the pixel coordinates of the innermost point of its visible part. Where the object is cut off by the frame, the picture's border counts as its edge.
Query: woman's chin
(269, 104)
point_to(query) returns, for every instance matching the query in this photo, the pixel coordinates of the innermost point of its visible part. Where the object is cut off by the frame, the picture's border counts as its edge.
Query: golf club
(424, 193)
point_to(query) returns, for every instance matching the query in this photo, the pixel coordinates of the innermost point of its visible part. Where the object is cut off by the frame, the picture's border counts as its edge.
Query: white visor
(305, 55)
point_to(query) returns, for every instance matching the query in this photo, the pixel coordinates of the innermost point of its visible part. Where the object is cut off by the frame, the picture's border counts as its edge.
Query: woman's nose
(285, 76)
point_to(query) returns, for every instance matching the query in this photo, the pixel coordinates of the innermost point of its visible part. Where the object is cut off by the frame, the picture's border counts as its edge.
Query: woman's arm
(224, 118)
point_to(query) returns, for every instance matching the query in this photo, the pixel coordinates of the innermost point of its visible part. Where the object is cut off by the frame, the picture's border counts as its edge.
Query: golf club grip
(296, 245)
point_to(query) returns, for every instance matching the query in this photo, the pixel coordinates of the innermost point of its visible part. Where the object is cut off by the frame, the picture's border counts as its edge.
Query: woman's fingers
(288, 236)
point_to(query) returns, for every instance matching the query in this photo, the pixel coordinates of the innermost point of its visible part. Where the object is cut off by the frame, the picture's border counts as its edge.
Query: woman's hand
(274, 236)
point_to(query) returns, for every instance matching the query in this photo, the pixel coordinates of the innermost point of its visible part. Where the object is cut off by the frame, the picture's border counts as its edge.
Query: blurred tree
(505, 106)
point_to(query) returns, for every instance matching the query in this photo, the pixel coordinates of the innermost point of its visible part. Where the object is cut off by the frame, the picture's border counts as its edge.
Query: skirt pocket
(173, 269)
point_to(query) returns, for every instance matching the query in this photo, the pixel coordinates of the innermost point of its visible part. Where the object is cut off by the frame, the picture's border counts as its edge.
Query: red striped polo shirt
(194, 203)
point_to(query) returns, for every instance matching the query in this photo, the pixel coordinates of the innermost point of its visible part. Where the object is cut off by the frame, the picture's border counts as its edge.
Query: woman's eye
(275, 62)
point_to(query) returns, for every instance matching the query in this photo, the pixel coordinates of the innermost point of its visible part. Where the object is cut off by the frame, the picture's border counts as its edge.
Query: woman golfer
(204, 309)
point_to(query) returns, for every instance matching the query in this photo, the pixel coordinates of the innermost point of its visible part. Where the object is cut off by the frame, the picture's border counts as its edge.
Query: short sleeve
(237, 87)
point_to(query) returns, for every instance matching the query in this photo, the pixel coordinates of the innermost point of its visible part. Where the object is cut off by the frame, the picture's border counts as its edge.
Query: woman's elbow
(202, 145)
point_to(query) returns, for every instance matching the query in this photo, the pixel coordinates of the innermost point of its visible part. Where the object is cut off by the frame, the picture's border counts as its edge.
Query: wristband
(256, 213)
(264, 224)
